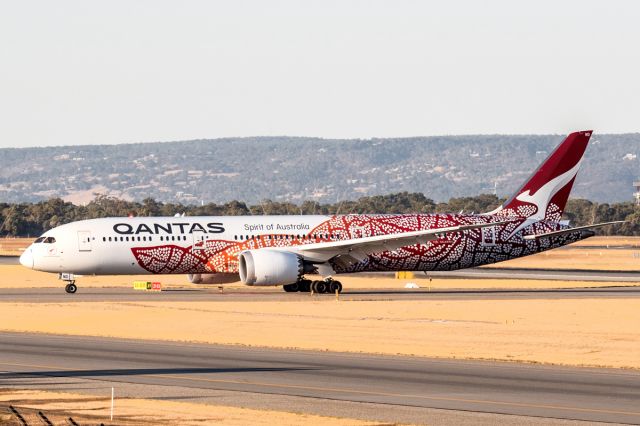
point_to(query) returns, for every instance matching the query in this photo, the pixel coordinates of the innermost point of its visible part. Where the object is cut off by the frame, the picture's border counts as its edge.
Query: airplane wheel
(290, 288)
(71, 288)
(319, 287)
(335, 286)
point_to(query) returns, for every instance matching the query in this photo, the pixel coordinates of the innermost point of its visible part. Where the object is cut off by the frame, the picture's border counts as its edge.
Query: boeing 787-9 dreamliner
(280, 250)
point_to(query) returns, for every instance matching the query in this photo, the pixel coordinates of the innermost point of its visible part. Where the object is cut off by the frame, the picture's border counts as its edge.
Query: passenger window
(104, 238)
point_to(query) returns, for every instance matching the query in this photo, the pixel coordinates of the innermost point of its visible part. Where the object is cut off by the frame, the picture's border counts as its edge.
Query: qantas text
(168, 228)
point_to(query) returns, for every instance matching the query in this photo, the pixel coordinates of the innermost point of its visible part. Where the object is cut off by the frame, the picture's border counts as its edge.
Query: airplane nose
(26, 259)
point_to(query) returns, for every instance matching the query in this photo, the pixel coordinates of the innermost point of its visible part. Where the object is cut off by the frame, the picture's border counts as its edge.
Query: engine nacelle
(219, 278)
(269, 267)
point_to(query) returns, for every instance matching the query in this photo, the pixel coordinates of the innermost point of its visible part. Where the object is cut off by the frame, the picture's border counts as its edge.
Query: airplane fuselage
(210, 244)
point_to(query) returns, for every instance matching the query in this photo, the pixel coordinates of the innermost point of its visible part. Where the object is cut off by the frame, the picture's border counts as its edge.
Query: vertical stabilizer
(544, 195)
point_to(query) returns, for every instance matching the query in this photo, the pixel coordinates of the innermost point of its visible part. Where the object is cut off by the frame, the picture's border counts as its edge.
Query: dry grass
(598, 332)
(591, 259)
(14, 246)
(87, 409)
(609, 241)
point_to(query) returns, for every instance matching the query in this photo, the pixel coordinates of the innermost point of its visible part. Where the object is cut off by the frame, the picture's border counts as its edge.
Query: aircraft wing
(360, 248)
(570, 230)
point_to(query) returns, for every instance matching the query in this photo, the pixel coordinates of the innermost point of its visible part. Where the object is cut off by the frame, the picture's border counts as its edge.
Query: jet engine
(269, 267)
(219, 278)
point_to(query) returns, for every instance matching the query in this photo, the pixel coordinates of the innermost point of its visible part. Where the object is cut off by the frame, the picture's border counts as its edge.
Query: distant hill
(298, 168)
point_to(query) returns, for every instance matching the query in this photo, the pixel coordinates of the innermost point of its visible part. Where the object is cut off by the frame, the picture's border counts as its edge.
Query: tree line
(32, 219)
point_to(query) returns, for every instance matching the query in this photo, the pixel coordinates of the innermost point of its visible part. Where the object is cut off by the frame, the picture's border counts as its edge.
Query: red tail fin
(544, 195)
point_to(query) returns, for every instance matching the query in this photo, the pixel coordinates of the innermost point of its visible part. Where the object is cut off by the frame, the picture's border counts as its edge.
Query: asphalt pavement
(248, 294)
(383, 388)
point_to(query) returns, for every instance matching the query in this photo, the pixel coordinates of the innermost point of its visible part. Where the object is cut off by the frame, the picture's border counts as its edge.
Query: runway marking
(354, 391)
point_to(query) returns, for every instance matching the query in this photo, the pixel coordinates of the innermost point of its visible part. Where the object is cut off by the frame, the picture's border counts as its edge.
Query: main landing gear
(71, 286)
(329, 285)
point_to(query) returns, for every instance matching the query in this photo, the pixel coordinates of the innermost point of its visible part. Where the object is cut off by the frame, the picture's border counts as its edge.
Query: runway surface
(317, 380)
(9, 260)
(248, 294)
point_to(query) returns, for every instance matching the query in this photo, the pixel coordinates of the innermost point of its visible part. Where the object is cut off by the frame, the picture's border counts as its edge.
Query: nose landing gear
(71, 286)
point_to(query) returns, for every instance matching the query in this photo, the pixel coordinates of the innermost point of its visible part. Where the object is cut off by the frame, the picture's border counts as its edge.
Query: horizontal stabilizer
(570, 230)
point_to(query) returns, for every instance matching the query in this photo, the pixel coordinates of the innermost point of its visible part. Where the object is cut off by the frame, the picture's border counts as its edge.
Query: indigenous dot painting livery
(280, 250)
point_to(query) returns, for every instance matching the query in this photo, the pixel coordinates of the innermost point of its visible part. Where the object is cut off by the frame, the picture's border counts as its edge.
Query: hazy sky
(87, 72)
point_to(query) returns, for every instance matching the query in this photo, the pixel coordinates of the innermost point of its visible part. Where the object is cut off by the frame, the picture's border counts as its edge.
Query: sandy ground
(59, 406)
(16, 276)
(596, 332)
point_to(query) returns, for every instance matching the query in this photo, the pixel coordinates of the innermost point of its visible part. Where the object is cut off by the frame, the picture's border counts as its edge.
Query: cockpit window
(49, 240)
(39, 240)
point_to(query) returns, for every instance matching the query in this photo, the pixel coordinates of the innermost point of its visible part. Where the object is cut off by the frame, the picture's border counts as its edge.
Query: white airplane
(280, 250)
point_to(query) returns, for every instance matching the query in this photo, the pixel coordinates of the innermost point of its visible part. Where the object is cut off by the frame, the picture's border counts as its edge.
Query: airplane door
(198, 239)
(489, 236)
(84, 240)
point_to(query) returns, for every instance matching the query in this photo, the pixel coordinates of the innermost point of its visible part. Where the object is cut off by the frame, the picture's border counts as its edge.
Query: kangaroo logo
(542, 197)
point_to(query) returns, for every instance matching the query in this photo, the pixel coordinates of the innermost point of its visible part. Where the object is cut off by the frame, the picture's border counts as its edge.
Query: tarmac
(382, 388)
(249, 294)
